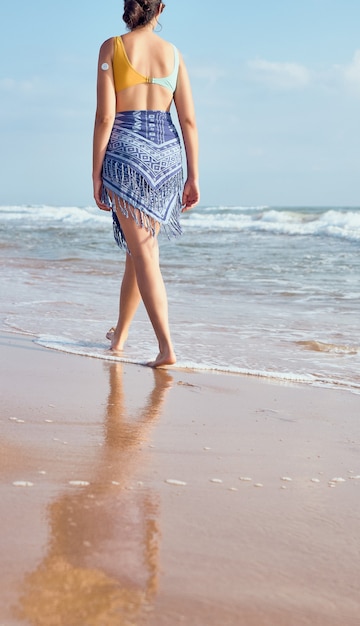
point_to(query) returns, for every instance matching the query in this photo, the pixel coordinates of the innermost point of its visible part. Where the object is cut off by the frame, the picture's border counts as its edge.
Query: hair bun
(139, 12)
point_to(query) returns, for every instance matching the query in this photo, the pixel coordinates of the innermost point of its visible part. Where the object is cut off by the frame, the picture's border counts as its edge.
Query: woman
(137, 165)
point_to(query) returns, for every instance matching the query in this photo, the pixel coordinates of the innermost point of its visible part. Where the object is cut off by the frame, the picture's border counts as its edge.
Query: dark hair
(139, 12)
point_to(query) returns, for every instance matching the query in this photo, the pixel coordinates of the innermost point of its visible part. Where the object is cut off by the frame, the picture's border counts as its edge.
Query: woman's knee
(145, 254)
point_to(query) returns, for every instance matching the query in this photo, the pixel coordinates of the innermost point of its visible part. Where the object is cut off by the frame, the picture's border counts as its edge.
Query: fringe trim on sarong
(134, 186)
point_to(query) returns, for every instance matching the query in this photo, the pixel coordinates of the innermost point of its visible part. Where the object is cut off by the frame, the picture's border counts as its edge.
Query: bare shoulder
(107, 46)
(182, 64)
(166, 45)
(181, 58)
(169, 44)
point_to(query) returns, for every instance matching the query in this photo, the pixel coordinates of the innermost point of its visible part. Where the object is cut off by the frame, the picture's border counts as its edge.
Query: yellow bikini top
(125, 75)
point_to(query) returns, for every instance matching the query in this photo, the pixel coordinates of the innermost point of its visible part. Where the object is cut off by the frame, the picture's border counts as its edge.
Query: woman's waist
(129, 114)
(154, 124)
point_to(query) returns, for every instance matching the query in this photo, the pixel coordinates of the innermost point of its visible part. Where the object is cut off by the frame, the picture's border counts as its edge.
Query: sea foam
(329, 223)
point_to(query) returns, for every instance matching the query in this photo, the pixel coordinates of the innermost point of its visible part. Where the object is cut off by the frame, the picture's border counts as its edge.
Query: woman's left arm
(105, 115)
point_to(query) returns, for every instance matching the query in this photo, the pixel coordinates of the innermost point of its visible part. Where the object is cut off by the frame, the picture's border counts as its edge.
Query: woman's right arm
(105, 115)
(186, 113)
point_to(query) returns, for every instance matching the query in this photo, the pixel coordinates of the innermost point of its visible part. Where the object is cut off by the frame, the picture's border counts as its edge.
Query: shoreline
(173, 496)
(277, 377)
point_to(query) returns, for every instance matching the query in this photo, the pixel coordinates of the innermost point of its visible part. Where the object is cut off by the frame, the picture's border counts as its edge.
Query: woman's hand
(191, 195)
(97, 194)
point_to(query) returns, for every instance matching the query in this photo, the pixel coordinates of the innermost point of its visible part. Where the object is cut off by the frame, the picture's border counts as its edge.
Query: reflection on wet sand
(101, 564)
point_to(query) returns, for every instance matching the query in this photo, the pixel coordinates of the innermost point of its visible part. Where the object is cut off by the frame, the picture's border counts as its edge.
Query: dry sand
(251, 530)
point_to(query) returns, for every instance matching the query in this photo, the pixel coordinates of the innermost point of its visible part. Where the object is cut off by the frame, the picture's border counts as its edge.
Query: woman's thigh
(140, 240)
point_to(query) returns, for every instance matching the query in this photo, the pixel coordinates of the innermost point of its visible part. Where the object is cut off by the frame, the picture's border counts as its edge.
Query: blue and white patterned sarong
(143, 173)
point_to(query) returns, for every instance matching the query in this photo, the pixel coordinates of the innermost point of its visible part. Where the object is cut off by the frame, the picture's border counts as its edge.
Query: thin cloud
(10, 85)
(351, 72)
(279, 75)
(211, 74)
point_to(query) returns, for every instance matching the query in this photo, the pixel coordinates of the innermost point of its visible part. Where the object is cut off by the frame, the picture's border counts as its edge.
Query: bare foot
(117, 340)
(117, 345)
(163, 358)
(110, 333)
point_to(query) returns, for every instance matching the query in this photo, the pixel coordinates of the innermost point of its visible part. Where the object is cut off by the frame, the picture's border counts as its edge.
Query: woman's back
(144, 55)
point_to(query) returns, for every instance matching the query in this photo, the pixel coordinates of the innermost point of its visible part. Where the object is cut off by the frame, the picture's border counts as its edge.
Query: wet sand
(137, 497)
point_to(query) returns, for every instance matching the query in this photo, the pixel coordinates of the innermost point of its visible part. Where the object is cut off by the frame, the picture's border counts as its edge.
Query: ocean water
(263, 291)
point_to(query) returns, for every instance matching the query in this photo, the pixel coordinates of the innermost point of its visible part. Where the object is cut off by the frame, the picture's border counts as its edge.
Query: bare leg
(145, 256)
(129, 301)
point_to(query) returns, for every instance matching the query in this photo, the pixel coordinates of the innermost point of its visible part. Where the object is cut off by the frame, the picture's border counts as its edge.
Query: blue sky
(276, 86)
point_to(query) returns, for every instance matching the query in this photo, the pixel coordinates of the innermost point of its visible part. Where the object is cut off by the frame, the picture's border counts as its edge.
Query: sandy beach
(139, 497)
